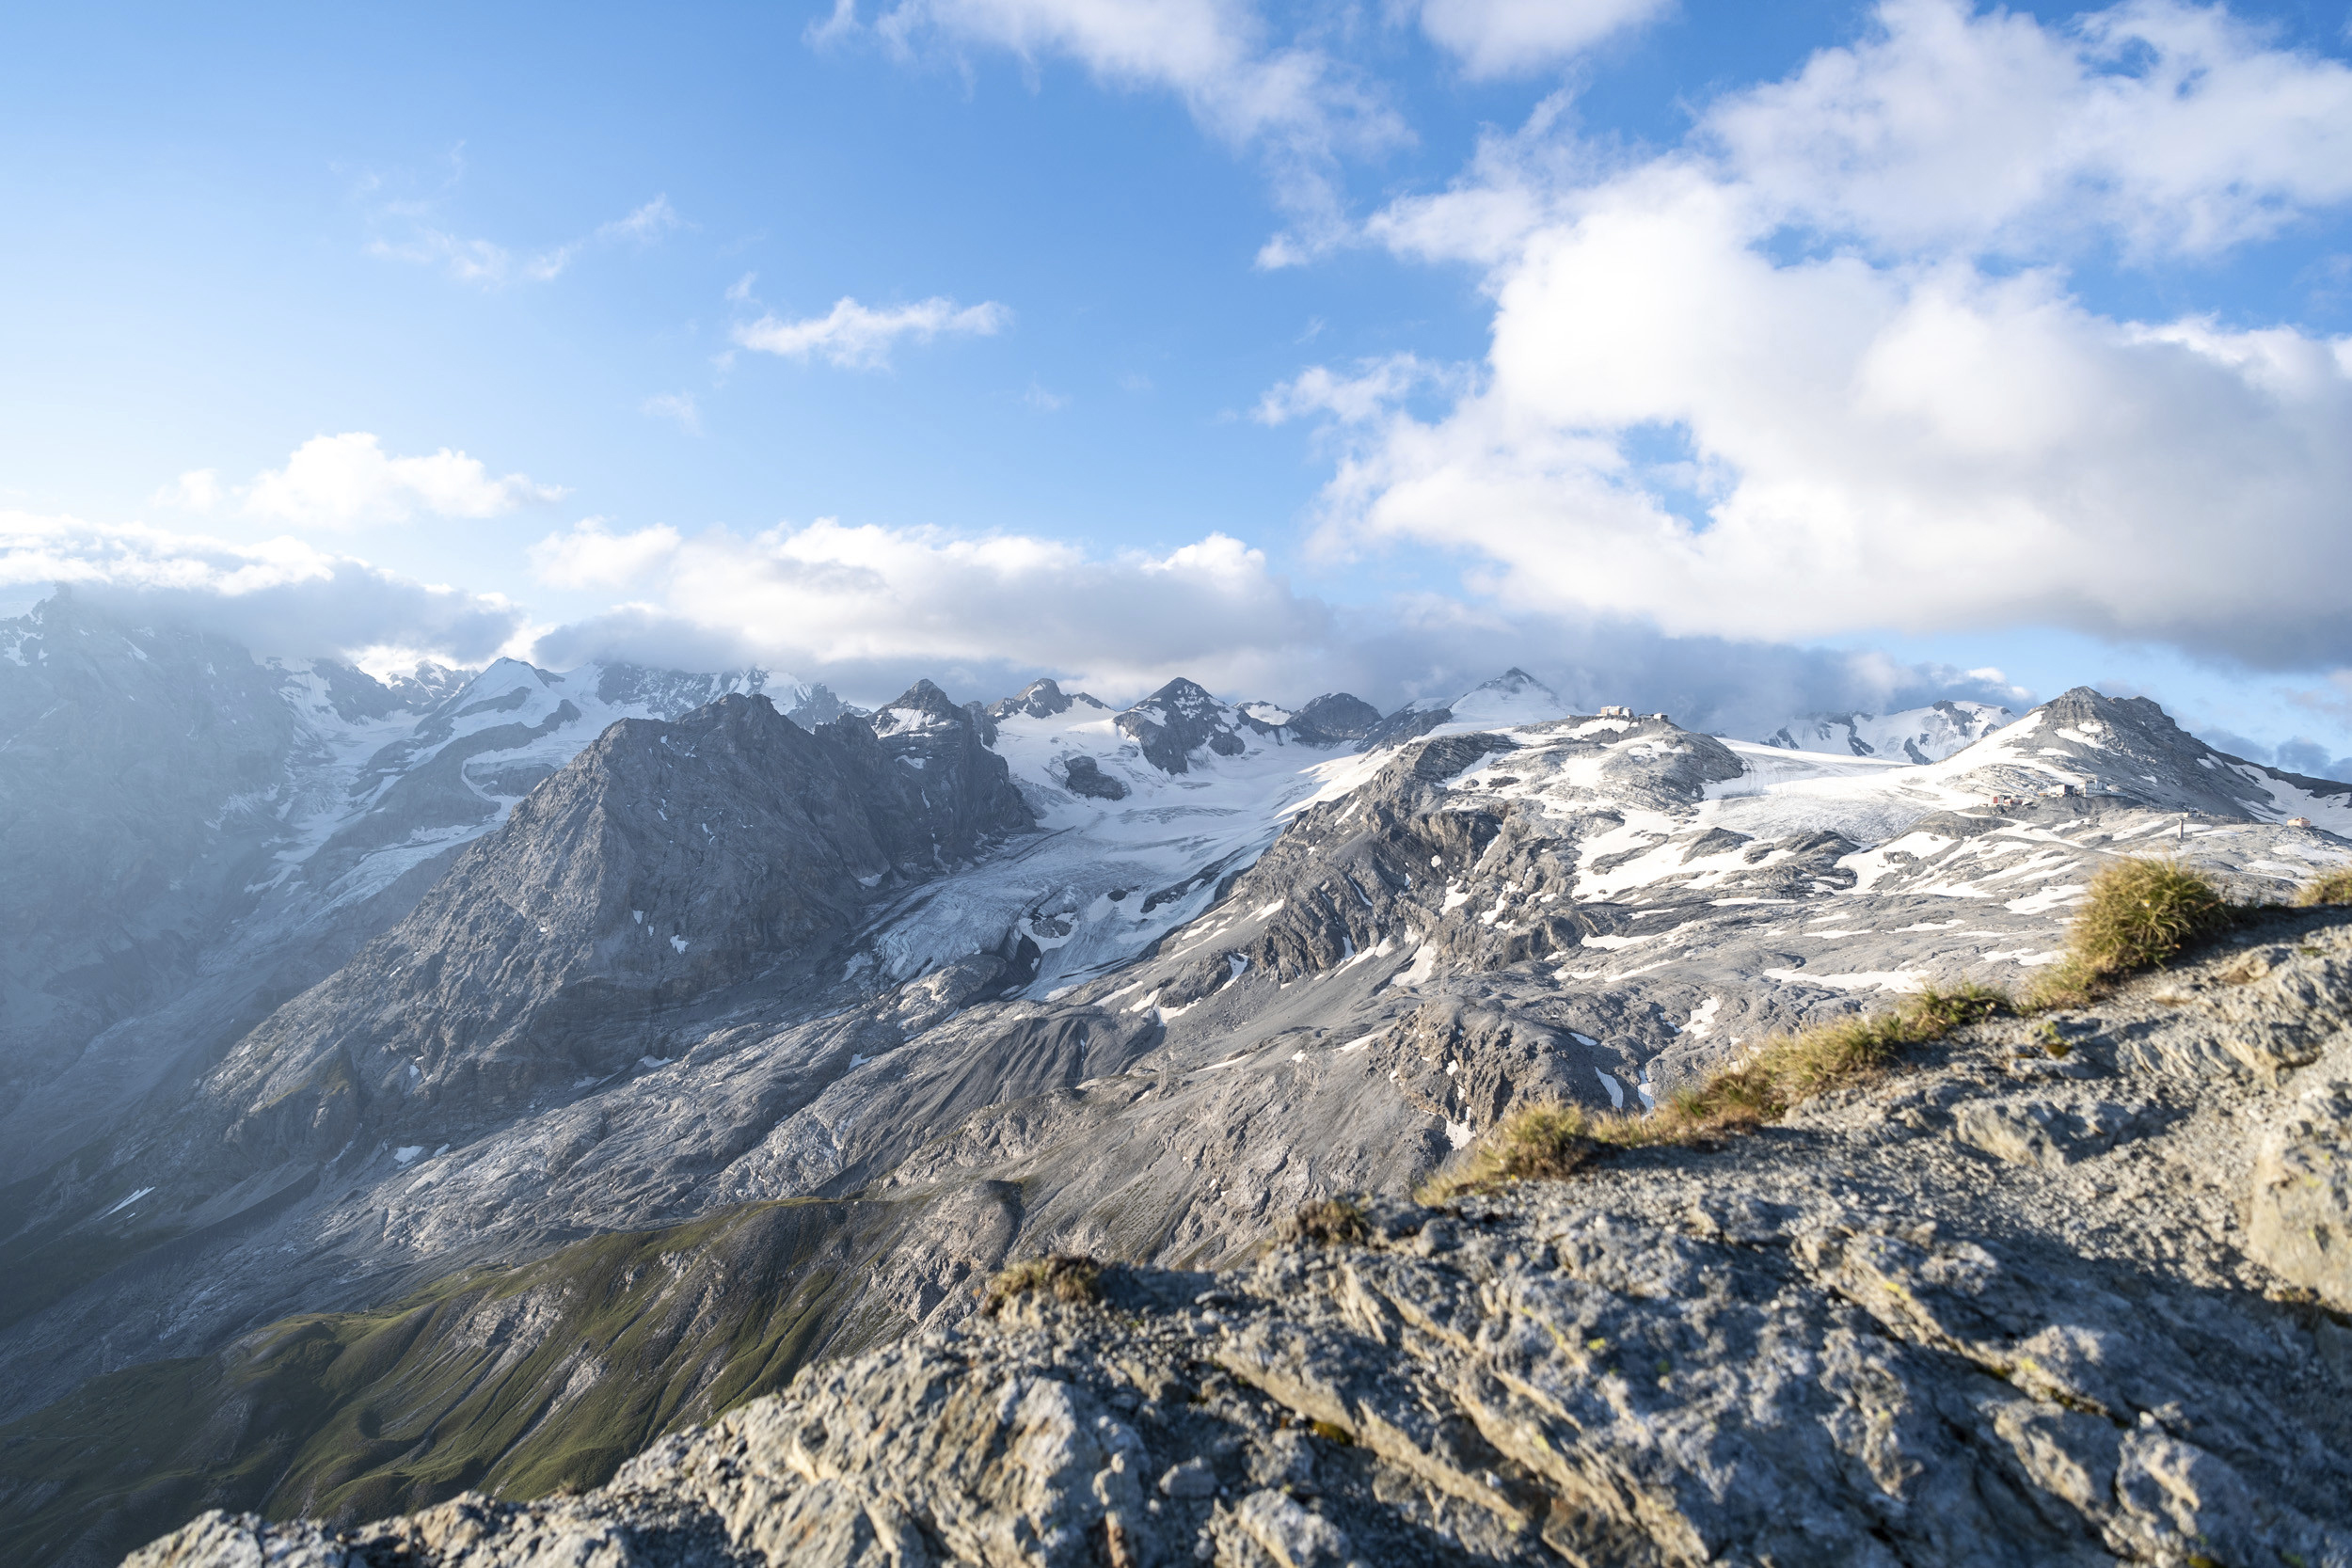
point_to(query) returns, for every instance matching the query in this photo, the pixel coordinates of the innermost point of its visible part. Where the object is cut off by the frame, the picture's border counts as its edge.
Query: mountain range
(461, 1082)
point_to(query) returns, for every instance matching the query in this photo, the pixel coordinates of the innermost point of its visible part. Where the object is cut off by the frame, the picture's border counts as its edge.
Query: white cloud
(348, 481)
(828, 596)
(1044, 402)
(870, 608)
(1918, 426)
(198, 490)
(589, 557)
(282, 596)
(488, 264)
(2173, 126)
(1292, 103)
(1376, 387)
(679, 406)
(853, 335)
(1508, 37)
(644, 225)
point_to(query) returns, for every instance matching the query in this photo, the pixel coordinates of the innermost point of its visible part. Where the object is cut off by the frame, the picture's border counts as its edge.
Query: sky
(1733, 361)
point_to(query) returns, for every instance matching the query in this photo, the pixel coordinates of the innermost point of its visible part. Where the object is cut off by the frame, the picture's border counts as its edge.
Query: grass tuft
(1342, 1221)
(2139, 914)
(1063, 1276)
(2328, 887)
(1547, 1141)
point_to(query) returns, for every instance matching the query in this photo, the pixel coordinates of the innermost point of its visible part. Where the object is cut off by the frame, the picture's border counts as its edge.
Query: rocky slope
(1146, 1029)
(668, 863)
(2049, 1295)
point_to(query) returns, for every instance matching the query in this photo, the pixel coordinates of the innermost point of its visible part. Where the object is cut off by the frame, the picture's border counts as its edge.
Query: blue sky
(1748, 359)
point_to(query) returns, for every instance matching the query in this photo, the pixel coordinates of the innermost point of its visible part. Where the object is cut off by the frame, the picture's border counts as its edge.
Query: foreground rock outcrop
(2071, 1289)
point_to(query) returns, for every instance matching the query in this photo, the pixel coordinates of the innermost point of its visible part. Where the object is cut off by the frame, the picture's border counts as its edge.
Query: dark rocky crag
(669, 861)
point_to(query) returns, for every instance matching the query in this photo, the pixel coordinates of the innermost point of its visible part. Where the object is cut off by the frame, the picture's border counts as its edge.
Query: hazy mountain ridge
(198, 835)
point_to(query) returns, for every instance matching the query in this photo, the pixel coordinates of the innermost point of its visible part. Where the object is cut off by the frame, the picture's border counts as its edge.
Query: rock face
(1084, 776)
(1334, 718)
(2301, 1223)
(1859, 1337)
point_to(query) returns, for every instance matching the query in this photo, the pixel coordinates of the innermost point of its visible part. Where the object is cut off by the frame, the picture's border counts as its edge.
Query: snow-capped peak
(1920, 735)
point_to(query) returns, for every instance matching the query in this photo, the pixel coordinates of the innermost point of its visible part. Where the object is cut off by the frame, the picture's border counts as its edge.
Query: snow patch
(128, 1201)
(1901, 981)
(1424, 963)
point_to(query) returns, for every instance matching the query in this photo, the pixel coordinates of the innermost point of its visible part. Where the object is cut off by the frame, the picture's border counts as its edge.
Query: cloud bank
(349, 480)
(870, 608)
(1821, 370)
(284, 597)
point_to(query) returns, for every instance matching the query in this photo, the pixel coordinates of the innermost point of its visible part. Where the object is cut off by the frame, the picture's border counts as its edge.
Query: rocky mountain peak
(1177, 721)
(669, 859)
(1041, 699)
(1332, 717)
(2125, 748)
(427, 685)
(922, 706)
(1513, 697)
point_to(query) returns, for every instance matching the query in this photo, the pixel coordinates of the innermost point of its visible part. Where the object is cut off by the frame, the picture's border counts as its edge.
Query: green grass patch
(2331, 887)
(1547, 1141)
(520, 1380)
(2139, 914)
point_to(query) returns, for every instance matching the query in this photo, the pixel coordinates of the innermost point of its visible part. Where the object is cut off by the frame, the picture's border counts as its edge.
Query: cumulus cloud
(283, 597)
(1510, 37)
(829, 595)
(590, 557)
(1823, 369)
(1292, 103)
(2173, 126)
(348, 481)
(860, 338)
